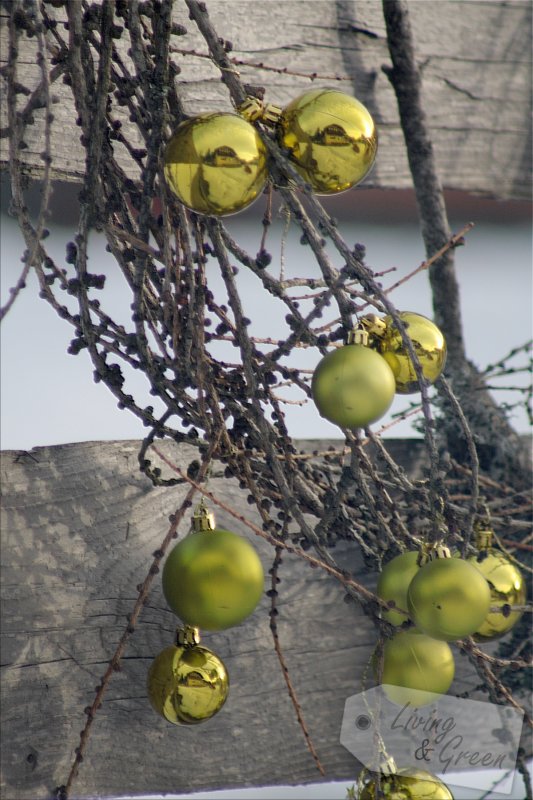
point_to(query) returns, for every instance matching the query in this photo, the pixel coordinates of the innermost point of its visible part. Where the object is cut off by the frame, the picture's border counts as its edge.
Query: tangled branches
(215, 384)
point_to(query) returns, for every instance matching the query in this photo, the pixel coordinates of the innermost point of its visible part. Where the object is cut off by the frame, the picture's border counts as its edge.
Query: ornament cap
(254, 110)
(271, 114)
(439, 551)
(374, 325)
(203, 519)
(484, 534)
(251, 109)
(358, 336)
(188, 636)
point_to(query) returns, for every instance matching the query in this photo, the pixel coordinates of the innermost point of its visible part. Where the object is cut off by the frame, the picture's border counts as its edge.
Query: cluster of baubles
(354, 385)
(212, 579)
(216, 163)
(406, 783)
(447, 598)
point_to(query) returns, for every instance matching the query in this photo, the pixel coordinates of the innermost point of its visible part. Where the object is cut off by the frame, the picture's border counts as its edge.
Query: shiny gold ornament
(412, 660)
(353, 386)
(506, 584)
(213, 578)
(331, 139)
(428, 342)
(216, 163)
(408, 783)
(448, 598)
(394, 581)
(187, 684)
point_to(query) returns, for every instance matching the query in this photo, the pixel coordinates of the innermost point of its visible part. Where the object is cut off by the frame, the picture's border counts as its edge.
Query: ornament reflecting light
(507, 586)
(408, 783)
(429, 345)
(216, 163)
(331, 139)
(188, 684)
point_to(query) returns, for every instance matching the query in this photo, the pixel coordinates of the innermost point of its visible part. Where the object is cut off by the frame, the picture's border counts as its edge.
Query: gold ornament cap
(255, 110)
(374, 325)
(484, 534)
(189, 636)
(202, 519)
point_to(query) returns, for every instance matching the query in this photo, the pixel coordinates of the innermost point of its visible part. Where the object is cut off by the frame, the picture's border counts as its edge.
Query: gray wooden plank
(475, 59)
(79, 525)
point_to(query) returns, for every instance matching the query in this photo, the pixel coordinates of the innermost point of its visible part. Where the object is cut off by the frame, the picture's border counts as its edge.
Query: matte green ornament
(213, 579)
(412, 660)
(448, 599)
(394, 581)
(353, 386)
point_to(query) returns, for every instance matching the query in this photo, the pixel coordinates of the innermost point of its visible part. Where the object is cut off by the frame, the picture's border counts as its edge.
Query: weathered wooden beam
(475, 59)
(79, 526)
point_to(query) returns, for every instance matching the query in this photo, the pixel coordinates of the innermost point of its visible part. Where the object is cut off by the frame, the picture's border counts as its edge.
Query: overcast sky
(49, 397)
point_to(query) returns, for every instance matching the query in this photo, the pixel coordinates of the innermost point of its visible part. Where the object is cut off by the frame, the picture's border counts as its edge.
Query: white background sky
(49, 397)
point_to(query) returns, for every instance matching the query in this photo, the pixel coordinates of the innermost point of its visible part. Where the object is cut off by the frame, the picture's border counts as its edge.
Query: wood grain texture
(79, 525)
(475, 58)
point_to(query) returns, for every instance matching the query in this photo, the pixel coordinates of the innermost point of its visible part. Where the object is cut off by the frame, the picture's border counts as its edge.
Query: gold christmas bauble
(448, 599)
(428, 343)
(353, 386)
(213, 579)
(412, 660)
(393, 583)
(216, 163)
(507, 586)
(408, 783)
(187, 684)
(331, 139)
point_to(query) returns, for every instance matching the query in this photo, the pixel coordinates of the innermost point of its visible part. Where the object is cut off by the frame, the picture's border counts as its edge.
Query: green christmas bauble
(429, 345)
(408, 783)
(213, 579)
(412, 660)
(216, 163)
(353, 386)
(448, 599)
(394, 581)
(187, 685)
(507, 586)
(331, 138)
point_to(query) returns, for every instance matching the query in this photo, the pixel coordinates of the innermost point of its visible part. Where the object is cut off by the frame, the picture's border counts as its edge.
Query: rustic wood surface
(79, 525)
(475, 58)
